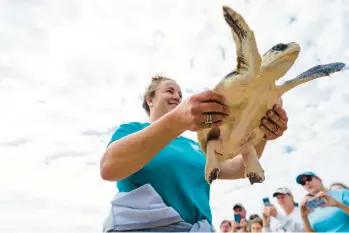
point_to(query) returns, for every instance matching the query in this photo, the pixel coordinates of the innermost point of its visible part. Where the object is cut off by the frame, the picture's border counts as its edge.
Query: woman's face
(256, 227)
(167, 96)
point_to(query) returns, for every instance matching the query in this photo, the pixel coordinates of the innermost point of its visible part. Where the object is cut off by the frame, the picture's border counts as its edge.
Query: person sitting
(160, 173)
(333, 216)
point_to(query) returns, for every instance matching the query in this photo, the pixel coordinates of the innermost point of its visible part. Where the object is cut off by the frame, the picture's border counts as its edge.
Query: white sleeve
(289, 223)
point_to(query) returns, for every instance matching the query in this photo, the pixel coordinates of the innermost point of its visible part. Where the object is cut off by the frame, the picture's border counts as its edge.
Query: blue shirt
(330, 218)
(177, 173)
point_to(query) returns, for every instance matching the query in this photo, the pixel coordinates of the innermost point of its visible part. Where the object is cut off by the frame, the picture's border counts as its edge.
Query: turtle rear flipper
(248, 57)
(315, 72)
(212, 165)
(253, 168)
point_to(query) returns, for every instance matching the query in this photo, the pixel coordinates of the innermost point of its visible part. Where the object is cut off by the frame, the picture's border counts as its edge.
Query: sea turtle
(250, 90)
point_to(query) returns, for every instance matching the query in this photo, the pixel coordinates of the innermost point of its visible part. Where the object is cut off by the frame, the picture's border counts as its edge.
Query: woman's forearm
(307, 226)
(129, 154)
(343, 207)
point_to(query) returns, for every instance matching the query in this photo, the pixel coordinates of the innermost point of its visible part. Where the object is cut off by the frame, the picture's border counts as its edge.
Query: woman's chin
(172, 106)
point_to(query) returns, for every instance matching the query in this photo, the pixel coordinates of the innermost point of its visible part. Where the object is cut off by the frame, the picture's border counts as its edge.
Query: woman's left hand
(330, 201)
(274, 123)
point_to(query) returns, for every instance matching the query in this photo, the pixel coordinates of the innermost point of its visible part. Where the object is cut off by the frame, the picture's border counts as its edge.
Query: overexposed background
(72, 71)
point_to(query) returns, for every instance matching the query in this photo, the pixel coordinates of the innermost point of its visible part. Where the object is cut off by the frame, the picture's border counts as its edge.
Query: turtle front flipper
(253, 168)
(248, 57)
(315, 72)
(212, 165)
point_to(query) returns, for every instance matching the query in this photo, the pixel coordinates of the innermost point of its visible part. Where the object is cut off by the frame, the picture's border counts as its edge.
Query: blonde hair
(257, 220)
(156, 80)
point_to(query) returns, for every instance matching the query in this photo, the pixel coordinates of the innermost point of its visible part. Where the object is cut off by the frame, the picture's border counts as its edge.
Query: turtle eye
(279, 47)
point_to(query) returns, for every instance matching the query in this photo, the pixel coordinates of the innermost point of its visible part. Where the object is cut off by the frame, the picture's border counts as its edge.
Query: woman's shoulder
(127, 128)
(340, 194)
(134, 125)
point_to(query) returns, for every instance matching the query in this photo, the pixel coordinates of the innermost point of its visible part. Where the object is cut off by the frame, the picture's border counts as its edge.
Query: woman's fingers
(213, 107)
(210, 96)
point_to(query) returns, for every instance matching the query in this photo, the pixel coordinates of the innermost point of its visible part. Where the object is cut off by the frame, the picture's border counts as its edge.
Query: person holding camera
(291, 219)
(240, 223)
(323, 210)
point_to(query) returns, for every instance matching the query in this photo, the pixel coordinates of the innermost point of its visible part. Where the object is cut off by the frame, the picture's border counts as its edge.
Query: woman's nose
(177, 96)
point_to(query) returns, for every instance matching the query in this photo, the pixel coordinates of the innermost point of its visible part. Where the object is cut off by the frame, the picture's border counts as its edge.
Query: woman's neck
(155, 116)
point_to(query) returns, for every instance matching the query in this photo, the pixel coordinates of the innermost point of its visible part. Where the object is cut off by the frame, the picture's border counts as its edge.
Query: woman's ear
(149, 101)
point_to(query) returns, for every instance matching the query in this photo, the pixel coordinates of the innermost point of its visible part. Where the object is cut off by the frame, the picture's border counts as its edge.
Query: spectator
(305, 212)
(291, 219)
(225, 226)
(334, 216)
(242, 226)
(338, 186)
(256, 225)
(253, 216)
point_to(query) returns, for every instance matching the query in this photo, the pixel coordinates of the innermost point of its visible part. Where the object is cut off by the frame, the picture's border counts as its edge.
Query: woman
(153, 162)
(332, 215)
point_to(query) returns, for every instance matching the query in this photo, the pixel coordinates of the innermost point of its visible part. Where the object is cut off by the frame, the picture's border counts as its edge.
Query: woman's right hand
(304, 209)
(192, 113)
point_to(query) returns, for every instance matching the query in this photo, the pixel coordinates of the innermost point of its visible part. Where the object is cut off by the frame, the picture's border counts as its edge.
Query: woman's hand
(274, 123)
(330, 201)
(266, 217)
(303, 207)
(203, 110)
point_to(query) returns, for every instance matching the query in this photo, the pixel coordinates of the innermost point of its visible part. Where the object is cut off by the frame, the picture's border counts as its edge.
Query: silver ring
(208, 119)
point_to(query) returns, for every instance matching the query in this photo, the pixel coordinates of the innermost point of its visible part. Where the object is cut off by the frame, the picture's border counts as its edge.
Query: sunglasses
(305, 179)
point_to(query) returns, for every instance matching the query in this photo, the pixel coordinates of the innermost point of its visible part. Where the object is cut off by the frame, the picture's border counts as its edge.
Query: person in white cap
(291, 219)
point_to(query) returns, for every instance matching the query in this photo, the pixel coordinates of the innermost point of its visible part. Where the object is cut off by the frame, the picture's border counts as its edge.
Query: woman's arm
(333, 202)
(130, 153)
(127, 155)
(304, 215)
(307, 226)
(343, 207)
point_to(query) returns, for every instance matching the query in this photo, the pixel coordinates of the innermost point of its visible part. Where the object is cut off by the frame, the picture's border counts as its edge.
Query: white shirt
(291, 223)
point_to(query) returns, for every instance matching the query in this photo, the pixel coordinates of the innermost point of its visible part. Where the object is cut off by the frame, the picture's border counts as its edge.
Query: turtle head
(280, 58)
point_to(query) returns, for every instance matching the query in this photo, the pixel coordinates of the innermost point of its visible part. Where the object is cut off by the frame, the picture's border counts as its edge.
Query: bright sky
(72, 71)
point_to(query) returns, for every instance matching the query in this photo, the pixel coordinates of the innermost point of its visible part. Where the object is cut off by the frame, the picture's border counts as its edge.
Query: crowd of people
(321, 210)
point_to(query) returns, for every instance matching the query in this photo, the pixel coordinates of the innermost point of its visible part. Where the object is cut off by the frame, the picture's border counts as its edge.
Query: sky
(72, 71)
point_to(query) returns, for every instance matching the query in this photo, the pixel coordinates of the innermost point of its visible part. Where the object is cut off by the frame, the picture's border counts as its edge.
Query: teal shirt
(331, 219)
(176, 173)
